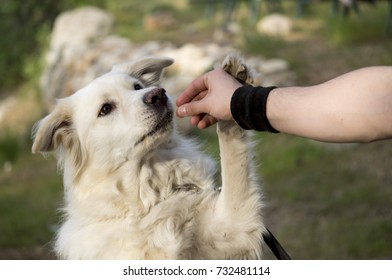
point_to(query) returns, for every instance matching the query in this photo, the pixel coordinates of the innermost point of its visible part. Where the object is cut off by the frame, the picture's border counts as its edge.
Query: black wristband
(249, 108)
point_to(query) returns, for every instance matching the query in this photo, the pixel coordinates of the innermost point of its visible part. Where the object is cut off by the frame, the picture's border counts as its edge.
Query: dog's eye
(137, 86)
(106, 109)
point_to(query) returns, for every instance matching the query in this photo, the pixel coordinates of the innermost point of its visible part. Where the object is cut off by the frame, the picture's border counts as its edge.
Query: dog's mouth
(161, 125)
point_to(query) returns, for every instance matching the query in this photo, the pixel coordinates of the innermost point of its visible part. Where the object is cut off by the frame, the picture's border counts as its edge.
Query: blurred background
(324, 201)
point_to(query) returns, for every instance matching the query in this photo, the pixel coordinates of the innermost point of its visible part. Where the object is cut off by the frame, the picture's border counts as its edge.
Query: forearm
(355, 107)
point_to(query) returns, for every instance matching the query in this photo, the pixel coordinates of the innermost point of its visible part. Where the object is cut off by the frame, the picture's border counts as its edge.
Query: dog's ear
(56, 132)
(53, 130)
(148, 69)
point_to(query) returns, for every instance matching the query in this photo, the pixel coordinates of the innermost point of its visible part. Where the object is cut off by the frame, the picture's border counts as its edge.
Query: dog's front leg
(238, 207)
(239, 182)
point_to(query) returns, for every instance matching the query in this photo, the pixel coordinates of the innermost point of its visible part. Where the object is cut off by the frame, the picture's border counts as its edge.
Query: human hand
(207, 99)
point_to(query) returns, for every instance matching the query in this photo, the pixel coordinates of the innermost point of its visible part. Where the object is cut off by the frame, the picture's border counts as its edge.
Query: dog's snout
(156, 96)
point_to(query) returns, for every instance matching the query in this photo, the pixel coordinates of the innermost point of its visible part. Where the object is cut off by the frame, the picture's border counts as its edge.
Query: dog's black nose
(155, 96)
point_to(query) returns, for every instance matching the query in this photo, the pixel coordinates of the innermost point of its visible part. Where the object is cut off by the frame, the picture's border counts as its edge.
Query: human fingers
(203, 121)
(196, 119)
(183, 111)
(192, 91)
(206, 121)
(196, 107)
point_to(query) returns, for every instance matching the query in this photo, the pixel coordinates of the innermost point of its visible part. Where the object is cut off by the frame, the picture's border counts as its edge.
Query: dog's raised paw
(235, 66)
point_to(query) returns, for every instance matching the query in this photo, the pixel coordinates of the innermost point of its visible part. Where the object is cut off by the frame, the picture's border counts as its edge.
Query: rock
(81, 26)
(275, 25)
(273, 71)
(7, 105)
(73, 66)
(192, 59)
(271, 66)
(78, 40)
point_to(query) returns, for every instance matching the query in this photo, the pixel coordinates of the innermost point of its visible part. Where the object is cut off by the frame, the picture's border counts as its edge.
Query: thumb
(191, 109)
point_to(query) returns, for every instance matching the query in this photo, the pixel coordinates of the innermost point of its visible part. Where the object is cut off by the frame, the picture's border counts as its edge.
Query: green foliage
(9, 149)
(19, 23)
(21, 26)
(30, 194)
(367, 26)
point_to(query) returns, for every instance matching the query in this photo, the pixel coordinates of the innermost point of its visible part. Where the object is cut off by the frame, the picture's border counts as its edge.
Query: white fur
(154, 197)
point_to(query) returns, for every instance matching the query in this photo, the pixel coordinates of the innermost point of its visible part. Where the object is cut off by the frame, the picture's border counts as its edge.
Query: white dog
(135, 188)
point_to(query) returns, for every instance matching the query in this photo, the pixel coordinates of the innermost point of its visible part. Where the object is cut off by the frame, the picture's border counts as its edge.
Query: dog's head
(117, 116)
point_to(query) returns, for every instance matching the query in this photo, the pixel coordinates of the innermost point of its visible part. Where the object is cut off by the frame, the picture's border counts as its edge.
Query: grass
(9, 149)
(369, 26)
(339, 210)
(324, 201)
(28, 202)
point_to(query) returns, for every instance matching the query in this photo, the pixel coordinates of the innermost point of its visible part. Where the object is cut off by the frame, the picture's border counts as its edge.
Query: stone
(81, 26)
(78, 39)
(275, 25)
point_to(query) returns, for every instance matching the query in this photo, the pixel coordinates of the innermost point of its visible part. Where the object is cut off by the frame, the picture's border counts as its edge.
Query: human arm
(354, 107)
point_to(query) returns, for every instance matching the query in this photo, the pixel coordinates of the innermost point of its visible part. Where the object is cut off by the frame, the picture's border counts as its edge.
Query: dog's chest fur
(143, 210)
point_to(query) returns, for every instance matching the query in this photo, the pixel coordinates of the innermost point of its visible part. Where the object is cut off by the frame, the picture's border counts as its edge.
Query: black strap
(275, 246)
(248, 107)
